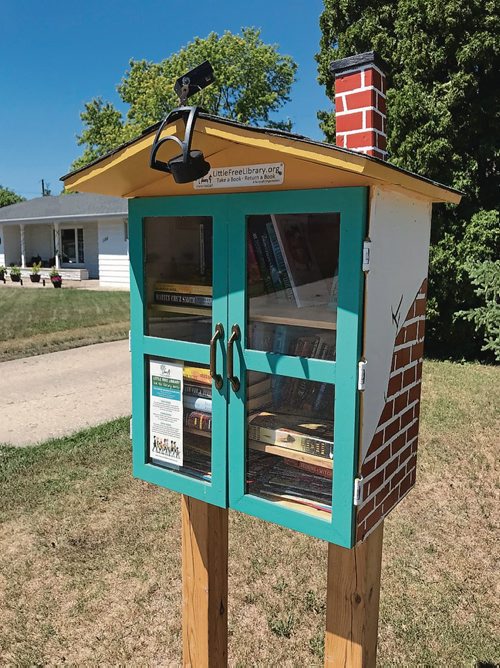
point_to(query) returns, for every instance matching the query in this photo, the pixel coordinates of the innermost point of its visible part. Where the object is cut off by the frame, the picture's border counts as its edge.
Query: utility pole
(45, 189)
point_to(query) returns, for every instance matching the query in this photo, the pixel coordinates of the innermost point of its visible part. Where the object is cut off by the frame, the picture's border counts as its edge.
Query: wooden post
(204, 584)
(353, 592)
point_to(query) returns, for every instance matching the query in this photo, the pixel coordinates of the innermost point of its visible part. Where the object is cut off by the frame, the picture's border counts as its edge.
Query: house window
(72, 246)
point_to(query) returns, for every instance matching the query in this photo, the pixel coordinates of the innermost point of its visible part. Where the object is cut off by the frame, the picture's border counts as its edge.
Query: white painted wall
(12, 244)
(113, 254)
(399, 230)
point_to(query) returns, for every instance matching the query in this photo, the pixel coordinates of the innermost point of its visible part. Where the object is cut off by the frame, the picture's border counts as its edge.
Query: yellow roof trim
(113, 175)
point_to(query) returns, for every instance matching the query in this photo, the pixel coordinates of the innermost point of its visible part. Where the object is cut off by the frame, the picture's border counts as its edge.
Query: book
(174, 298)
(197, 374)
(259, 254)
(198, 403)
(185, 288)
(198, 420)
(280, 263)
(314, 469)
(259, 402)
(293, 432)
(259, 386)
(181, 309)
(277, 284)
(195, 390)
(310, 287)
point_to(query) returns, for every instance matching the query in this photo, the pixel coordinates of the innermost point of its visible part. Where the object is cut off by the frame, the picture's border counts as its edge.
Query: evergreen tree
(443, 59)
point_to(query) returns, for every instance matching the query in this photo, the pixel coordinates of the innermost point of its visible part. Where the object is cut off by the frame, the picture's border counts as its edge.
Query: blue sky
(56, 56)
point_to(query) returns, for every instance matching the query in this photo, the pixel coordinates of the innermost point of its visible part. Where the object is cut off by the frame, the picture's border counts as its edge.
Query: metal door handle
(218, 334)
(235, 334)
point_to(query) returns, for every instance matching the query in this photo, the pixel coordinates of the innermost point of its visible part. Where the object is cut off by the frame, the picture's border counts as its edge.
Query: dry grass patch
(90, 558)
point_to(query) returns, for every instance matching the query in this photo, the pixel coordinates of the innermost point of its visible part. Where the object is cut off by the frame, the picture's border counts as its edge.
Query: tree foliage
(443, 59)
(8, 196)
(253, 81)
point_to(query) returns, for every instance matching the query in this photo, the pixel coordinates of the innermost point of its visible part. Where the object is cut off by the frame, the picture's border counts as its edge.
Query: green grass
(90, 558)
(35, 321)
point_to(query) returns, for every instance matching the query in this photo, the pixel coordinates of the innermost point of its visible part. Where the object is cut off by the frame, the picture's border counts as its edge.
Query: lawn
(35, 321)
(90, 558)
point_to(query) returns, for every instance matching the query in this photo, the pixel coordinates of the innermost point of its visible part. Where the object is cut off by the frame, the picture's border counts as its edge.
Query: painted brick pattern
(360, 105)
(389, 468)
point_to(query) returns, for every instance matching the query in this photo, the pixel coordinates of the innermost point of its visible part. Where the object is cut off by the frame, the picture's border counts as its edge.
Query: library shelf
(291, 454)
(283, 314)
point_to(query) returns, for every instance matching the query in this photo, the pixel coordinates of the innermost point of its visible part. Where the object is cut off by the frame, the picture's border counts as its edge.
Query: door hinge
(362, 375)
(129, 341)
(130, 433)
(367, 251)
(358, 491)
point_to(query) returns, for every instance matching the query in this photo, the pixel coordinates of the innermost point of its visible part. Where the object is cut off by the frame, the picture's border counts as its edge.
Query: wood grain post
(353, 594)
(204, 584)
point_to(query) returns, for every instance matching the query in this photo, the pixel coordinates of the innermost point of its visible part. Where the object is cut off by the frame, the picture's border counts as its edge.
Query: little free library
(278, 293)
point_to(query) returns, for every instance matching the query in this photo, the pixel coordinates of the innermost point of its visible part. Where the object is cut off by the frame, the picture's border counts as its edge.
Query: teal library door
(255, 302)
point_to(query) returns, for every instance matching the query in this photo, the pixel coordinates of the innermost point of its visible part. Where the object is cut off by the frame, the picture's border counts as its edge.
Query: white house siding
(12, 244)
(113, 254)
(2, 248)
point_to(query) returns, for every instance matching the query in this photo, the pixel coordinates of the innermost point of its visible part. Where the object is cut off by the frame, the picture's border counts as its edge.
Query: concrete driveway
(60, 393)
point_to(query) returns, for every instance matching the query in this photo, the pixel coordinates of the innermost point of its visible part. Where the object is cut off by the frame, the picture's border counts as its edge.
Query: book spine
(198, 404)
(184, 289)
(253, 271)
(280, 263)
(203, 266)
(174, 298)
(284, 439)
(271, 263)
(208, 250)
(197, 375)
(314, 469)
(259, 254)
(197, 391)
(286, 261)
(198, 420)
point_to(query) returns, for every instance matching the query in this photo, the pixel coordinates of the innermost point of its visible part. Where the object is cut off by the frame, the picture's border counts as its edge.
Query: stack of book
(195, 299)
(197, 400)
(292, 432)
(292, 481)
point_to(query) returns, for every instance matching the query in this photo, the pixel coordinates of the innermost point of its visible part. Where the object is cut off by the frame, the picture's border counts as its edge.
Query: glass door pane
(180, 417)
(292, 283)
(68, 245)
(178, 271)
(290, 442)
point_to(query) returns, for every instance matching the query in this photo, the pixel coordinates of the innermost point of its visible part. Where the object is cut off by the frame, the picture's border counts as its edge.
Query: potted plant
(15, 274)
(2, 273)
(35, 272)
(55, 277)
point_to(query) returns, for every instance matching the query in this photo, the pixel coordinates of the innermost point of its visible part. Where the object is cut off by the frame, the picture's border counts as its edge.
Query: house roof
(78, 205)
(125, 172)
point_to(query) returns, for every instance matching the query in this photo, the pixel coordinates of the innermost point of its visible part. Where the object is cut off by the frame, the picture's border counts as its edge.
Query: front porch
(67, 274)
(70, 248)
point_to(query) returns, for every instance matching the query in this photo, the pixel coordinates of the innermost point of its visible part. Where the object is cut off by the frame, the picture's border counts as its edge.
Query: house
(83, 235)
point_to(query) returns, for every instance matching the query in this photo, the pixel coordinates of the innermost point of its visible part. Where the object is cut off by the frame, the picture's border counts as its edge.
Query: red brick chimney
(360, 111)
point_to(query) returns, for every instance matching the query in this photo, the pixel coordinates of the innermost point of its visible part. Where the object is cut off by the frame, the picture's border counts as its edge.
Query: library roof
(125, 172)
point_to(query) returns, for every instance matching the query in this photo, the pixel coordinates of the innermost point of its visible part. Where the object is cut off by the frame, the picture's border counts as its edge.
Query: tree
(252, 82)
(443, 58)
(9, 197)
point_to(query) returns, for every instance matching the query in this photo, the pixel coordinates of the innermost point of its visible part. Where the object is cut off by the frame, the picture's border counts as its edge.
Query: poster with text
(165, 412)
